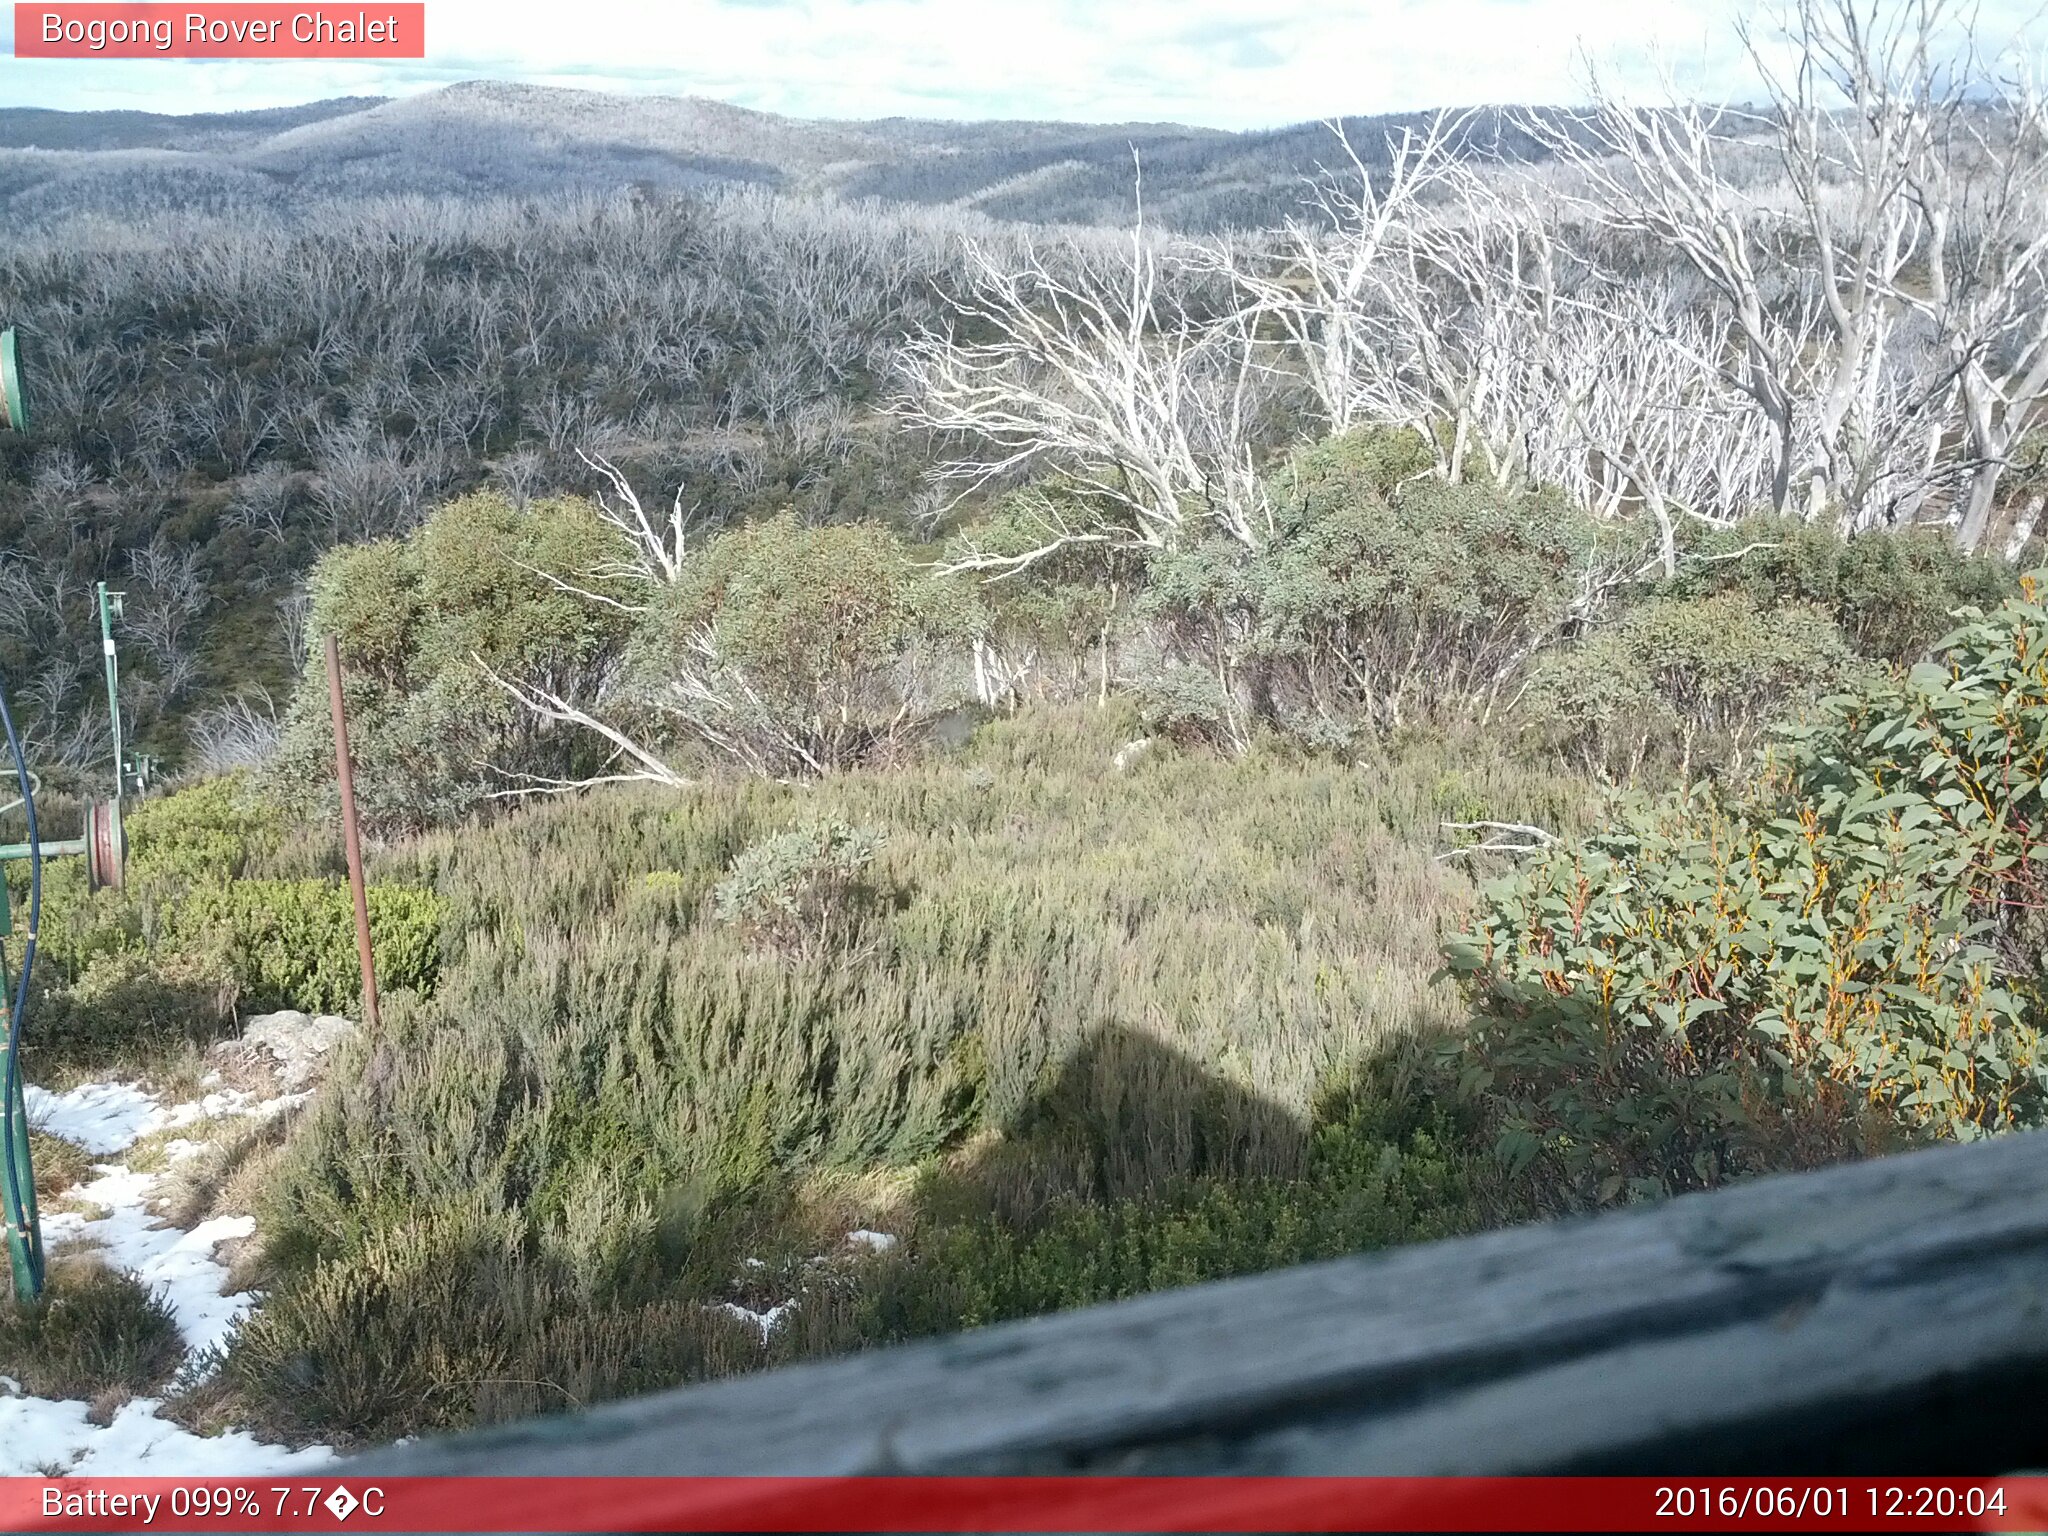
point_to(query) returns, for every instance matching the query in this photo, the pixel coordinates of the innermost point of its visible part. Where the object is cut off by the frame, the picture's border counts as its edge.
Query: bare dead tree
(522, 473)
(262, 500)
(168, 595)
(1638, 416)
(630, 762)
(658, 548)
(1332, 286)
(240, 732)
(1977, 176)
(1508, 837)
(1890, 143)
(294, 628)
(1659, 173)
(1106, 378)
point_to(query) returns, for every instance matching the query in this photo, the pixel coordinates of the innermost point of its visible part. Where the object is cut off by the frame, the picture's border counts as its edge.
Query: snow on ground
(37, 1435)
(765, 1321)
(104, 1118)
(770, 1320)
(107, 1118)
(181, 1264)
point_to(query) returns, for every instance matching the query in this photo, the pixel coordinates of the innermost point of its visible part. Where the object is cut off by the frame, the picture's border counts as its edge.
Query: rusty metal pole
(344, 773)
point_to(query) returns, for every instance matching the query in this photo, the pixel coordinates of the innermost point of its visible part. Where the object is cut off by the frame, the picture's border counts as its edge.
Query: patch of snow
(765, 1321)
(874, 1242)
(36, 1433)
(181, 1263)
(100, 1117)
(105, 1118)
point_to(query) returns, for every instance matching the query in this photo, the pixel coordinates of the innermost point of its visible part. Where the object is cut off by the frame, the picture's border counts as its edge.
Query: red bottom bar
(1006, 1504)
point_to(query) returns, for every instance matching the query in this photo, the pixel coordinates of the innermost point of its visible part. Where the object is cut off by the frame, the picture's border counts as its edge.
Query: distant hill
(490, 139)
(42, 128)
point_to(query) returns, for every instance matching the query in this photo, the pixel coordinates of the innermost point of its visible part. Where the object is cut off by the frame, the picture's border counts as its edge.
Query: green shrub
(1068, 1000)
(436, 1324)
(786, 648)
(1847, 953)
(127, 1004)
(1379, 600)
(1685, 684)
(1189, 706)
(207, 834)
(421, 624)
(1892, 592)
(59, 1165)
(1363, 1186)
(292, 943)
(803, 892)
(797, 650)
(95, 1330)
(1066, 616)
(193, 936)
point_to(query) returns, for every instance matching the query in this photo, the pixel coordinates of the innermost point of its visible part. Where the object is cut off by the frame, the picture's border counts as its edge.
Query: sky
(1216, 63)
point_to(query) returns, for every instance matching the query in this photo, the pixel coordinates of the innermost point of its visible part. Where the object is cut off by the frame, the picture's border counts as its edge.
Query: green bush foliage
(197, 934)
(803, 892)
(800, 650)
(1893, 592)
(1190, 706)
(590, 1125)
(785, 648)
(292, 943)
(1367, 1181)
(1384, 597)
(1847, 953)
(422, 623)
(1002, 1003)
(95, 1330)
(456, 1319)
(1068, 615)
(1685, 684)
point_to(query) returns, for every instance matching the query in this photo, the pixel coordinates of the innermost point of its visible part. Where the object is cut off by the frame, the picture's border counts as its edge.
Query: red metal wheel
(106, 845)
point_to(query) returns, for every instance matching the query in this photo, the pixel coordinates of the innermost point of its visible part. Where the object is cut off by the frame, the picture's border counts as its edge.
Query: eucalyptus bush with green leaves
(426, 626)
(1384, 597)
(1892, 591)
(1685, 684)
(796, 650)
(1846, 953)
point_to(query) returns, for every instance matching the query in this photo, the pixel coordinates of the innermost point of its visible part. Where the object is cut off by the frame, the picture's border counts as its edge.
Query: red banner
(1051, 1504)
(123, 30)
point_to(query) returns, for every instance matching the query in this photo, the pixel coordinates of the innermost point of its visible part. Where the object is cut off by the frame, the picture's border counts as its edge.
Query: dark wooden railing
(1888, 1316)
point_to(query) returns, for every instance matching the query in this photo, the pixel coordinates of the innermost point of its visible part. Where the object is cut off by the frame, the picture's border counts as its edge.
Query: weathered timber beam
(1883, 1316)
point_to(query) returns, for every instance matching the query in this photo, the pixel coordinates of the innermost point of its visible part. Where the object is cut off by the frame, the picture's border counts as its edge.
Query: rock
(288, 1048)
(1130, 752)
(874, 1242)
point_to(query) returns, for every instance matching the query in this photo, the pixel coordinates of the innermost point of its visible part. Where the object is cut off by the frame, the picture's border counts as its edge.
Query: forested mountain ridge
(52, 128)
(494, 139)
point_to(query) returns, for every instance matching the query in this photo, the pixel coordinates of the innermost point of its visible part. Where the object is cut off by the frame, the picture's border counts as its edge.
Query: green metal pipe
(24, 1231)
(50, 849)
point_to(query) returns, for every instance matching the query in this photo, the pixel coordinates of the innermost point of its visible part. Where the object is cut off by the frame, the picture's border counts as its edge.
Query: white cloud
(1226, 63)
